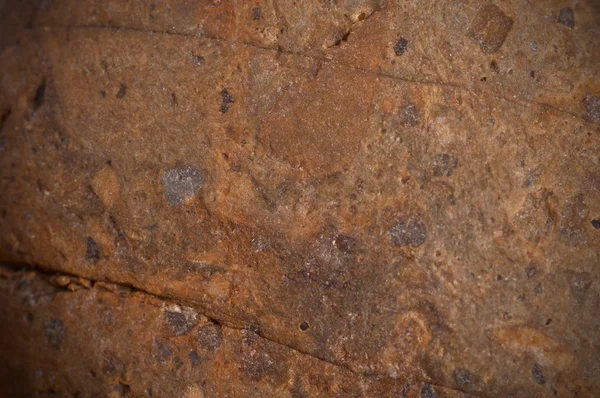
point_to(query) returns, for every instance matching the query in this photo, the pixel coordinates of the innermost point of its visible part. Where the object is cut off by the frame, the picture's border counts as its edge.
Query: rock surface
(112, 341)
(333, 198)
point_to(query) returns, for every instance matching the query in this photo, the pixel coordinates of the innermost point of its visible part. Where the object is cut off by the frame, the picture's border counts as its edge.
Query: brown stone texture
(231, 198)
(112, 341)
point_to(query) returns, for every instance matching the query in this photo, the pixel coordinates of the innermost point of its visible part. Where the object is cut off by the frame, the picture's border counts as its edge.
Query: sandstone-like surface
(107, 340)
(377, 193)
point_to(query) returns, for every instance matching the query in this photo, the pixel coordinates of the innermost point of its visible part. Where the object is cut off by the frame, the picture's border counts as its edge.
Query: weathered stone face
(376, 198)
(114, 343)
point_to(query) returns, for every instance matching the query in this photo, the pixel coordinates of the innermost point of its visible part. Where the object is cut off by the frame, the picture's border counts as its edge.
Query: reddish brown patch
(319, 125)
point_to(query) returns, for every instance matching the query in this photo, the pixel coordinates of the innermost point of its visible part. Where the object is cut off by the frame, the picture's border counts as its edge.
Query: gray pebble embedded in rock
(462, 377)
(427, 391)
(566, 17)
(181, 183)
(411, 234)
(210, 336)
(92, 251)
(400, 46)
(592, 108)
(539, 377)
(181, 322)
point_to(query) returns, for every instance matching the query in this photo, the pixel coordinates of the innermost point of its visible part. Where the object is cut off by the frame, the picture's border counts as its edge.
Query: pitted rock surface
(316, 198)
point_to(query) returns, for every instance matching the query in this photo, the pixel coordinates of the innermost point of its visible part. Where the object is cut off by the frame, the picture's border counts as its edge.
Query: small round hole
(304, 325)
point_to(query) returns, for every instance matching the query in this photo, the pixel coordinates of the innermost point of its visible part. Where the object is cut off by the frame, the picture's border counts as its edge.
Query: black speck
(427, 391)
(341, 39)
(256, 13)
(29, 317)
(197, 60)
(92, 251)
(38, 99)
(54, 330)
(400, 46)
(304, 325)
(194, 358)
(536, 371)
(483, 79)
(494, 67)
(596, 223)
(548, 321)
(227, 100)
(532, 74)
(566, 17)
(102, 94)
(498, 277)
(4, 118)
(411, 234)
(122, 90)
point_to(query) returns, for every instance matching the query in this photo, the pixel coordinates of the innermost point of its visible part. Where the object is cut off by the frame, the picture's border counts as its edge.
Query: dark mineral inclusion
(181, 183)
(411, 234)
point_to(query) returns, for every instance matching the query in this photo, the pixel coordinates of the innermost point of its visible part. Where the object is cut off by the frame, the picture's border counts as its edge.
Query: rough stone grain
(335, 198)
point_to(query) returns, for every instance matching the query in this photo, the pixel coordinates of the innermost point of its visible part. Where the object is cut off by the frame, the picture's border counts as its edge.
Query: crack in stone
(222, 320)
(327, 59)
